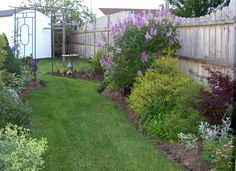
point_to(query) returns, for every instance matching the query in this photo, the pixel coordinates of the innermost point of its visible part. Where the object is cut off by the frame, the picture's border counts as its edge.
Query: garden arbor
(27, 24)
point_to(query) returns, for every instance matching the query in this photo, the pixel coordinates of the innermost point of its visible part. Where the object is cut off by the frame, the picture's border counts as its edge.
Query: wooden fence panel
(210, 39)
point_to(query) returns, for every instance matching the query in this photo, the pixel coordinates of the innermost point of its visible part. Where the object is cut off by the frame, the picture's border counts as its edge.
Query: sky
(143, 4)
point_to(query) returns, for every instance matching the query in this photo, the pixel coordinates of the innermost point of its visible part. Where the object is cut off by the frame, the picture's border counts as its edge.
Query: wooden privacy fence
(208, 39)
(83, 42)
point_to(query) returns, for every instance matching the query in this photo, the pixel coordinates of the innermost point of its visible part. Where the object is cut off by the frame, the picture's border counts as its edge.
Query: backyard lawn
(87, 131)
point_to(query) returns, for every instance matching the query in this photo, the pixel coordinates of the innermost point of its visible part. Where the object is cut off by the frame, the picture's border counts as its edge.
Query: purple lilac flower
(153, 31)
(122, 27)
(148, 16)
(101, 43)
(129, 19)
(103, 63)
(144, 57)
(33, 65)
(158, 54)
(113, 32)
(139, 21)
(107, 63)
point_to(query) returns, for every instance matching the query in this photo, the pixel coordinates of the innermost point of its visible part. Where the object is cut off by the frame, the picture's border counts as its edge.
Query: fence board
(210, 38)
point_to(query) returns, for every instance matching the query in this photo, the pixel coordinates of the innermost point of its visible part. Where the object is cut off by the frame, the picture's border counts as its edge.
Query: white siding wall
(7, 27)
(43, 38)
(43, 33)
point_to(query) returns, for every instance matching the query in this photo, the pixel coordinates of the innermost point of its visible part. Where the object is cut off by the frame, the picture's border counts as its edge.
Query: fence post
(167, 4)
(234, 45)
(94, 38)
(108, 26)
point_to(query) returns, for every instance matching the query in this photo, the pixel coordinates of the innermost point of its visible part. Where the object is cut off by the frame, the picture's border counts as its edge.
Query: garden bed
(191, 159)
(96, 75)
(33, 86)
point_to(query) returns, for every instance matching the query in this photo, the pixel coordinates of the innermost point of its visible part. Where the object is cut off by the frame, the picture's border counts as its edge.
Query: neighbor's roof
(7, 13)
(109, 11)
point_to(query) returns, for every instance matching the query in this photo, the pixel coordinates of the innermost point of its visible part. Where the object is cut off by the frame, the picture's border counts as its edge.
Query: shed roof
(7, 13)
(109, 11)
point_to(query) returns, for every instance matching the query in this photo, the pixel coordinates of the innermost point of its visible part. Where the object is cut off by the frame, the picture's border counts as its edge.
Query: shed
(30, 37)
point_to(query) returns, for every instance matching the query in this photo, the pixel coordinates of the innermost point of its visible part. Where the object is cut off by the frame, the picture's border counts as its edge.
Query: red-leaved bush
(215, 102)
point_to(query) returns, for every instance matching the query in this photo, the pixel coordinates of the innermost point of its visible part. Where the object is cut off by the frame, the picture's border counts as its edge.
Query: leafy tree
(74, 11)
(3, 52)
(196, 8)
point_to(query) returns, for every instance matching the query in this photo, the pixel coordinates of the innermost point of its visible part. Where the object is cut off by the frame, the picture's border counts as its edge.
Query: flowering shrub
(137, 41)
(19, 151)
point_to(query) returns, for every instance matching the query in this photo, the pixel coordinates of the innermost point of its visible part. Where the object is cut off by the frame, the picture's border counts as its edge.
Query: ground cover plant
(12, 109)
(217, 144)
(137, 41)
(87, 131)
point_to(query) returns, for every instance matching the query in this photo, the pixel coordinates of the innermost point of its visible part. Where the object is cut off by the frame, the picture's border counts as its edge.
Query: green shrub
(11, 64)
(161, 98)
(19, 151)
(3, 52)
(159, 79)
(95, 62)
(12, 110)
(12, 81)
(62, 68)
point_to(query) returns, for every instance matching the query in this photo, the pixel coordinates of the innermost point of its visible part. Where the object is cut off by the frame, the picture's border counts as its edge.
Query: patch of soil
(190, 159)
(33, 86)
(96, 75)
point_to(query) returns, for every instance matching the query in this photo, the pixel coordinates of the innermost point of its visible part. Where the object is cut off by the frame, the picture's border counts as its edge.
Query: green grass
(87, 131)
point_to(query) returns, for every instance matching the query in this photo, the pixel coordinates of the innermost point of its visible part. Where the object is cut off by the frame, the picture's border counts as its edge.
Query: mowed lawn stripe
(87, 131)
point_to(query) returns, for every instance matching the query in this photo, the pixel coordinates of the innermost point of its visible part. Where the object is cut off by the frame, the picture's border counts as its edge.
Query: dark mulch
(33, 86)
(96, 75)
(190, 159)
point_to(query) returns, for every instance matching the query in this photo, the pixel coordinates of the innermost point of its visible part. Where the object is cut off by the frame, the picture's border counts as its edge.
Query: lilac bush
(136, 42)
